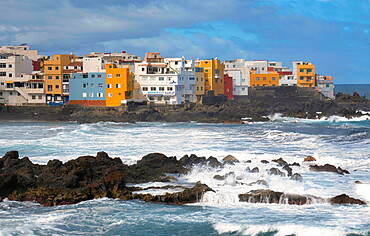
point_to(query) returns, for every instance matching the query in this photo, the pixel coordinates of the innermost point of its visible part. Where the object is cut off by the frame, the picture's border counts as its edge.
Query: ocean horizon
(361, 89)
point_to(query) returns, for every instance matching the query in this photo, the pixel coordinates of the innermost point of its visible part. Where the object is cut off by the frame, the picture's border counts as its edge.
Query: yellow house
(213, 75)
(199, 82)
(119, 84)
(53, 75)
(306, 75)
(271, 78)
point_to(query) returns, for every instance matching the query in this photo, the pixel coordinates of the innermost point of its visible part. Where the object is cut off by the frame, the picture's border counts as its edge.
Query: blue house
(87, 89)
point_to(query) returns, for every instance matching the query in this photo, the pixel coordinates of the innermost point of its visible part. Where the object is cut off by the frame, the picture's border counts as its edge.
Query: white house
(11, 67)
(166, 80)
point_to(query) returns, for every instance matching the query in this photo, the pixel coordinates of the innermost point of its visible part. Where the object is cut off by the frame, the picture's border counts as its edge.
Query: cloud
(333, 34)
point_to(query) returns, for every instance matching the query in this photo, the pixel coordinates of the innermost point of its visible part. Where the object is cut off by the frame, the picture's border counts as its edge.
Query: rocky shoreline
(91, 177)
(225, 112)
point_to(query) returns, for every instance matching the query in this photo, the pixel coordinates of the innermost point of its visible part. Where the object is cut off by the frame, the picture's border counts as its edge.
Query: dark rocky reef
(89, 177)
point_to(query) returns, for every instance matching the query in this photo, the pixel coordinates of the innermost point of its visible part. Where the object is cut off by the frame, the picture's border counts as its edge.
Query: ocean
(335, 140)
(361, 89)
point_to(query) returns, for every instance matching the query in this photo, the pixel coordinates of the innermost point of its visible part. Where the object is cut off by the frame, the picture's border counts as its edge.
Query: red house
(228, 87)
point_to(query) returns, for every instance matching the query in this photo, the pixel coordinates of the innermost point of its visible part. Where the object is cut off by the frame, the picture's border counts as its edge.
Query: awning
(8, 82)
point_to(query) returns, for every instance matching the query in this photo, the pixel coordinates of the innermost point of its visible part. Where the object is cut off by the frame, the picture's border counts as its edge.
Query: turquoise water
(361, 89)
(337, 141)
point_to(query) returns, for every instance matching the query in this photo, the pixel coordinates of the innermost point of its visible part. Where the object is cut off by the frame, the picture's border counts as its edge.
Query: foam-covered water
(333, 140)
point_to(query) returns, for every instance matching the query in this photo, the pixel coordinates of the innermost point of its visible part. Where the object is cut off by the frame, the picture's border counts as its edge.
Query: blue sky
(333, 34)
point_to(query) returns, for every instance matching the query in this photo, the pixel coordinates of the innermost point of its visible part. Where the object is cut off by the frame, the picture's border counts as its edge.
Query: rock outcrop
(328, 168)
(345, 199)
(309, 159)
(230, 159)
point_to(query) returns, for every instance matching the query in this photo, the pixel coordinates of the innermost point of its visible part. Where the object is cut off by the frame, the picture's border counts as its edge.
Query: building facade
(53, 72)
(326, 85)
(213, 75)
(88, 89)
(119, 85)
(228, 86)
(270, 78)
(304, 73)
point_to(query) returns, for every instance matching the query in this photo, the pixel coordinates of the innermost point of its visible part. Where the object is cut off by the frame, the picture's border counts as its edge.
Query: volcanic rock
(288, 169)
(275, 171)
(269, 196)
(189, 195)
(264, 162)
(296, 177)
(328, 168)
(309, 159)
(280, 161)
(230, 159)
(345, 199)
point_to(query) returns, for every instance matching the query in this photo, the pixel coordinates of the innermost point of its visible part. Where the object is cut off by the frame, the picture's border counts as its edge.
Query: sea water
(334, 140)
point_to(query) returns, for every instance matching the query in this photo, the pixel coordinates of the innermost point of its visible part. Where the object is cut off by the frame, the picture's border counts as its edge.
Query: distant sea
(362, 89)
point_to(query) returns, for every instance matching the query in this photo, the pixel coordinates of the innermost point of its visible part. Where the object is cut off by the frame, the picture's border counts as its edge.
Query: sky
(333, 34)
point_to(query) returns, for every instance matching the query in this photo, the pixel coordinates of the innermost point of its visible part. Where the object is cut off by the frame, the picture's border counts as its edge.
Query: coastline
(226, 112)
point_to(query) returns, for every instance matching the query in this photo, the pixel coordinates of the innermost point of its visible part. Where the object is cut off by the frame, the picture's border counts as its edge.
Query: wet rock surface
(328, 168)
(86, 178)
(345, 199)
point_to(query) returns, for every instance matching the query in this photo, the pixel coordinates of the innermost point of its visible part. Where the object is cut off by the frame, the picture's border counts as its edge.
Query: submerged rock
(260, 182)
(288, 169)
(189, 195)
(275, 171)
(328, 168)
(254, 170)
(296, 177)
(345, 199)
(294, 164)
(269, 196)
(280, 161)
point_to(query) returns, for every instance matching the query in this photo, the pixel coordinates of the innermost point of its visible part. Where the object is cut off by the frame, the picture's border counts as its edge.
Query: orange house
(119, 84)
(271, 78)
(213, 75)
(306, 75)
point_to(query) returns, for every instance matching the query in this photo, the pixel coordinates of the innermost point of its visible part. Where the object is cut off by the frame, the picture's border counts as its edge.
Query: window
(197, 88)
(243, 89)
(145, 88)
(258, 79)
(301, 78)
(118, 75)
(153, 89)
(50, 88)
(206, 80)
(57, 58)
(1, 93)
(264, 78)
(192, 78)
(206, 62)
(197, 79)
(57, 77)
(99, 76)
(56, 86)
(84, 95)
(327, 86)
(169, 88)
(91, 95)
(110, 95)
(50, 68)
(301, 70)
(10, 75)
(161, 78)
(2, 65)
(201, 88)
(243, 80)
(142, 69)
(273, 78)
(118, 85)
(93, 76)
(83, 85)
(176, 62)
(100, 85)
(109, 76)
(309, 70)
(109, 86)
(206, 70)
(2, 73)
(152, 78)
(50, 77)
(92, 85)
(57, 68)
(161, 88)
(99, 95)
(40, 96)
(33, 97)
